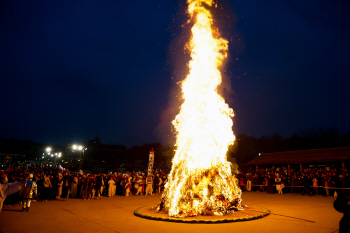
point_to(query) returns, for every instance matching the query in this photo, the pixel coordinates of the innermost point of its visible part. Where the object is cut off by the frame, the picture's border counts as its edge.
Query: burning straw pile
(210, 192)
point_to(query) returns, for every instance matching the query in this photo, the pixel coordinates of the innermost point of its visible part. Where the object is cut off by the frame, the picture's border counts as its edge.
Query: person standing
(110, 187)
(80, 190)
(249, 183)
(164, 181)
(265, 182)
(122, 184)
(155, 184)
(39, 182)
(67, 182)
(54, 188)
(305, 184)
(105, 184)
(326, 185)
(241, 184)
(270, 184)
(149, 183)
(160, 184)
(293, 183)
(99, 186)
(59, 186)
(74, 186)
(91, 185)
(315, 185)
(29, 191)
(143, 183)
(128, 186)
(85, 187)
(119, 181)
(278, 182)
(46, 187)
(284, 181)
(115, 178)
(138, 185)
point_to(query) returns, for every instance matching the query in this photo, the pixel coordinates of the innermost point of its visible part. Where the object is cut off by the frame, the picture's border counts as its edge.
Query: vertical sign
(150, 163)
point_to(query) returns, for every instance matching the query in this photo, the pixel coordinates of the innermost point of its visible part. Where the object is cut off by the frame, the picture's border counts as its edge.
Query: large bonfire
(201, 180)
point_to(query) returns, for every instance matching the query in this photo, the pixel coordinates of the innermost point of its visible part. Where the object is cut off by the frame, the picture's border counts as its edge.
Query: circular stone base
(250, 212)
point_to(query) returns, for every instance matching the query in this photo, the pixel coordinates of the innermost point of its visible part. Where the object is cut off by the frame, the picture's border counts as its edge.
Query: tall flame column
(201, 181)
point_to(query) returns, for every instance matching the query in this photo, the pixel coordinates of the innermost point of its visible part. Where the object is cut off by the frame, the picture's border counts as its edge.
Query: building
(300, 159)
(12, 150)
(97, 150)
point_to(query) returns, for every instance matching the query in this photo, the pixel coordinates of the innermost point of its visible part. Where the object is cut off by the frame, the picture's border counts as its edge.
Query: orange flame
(201, 180)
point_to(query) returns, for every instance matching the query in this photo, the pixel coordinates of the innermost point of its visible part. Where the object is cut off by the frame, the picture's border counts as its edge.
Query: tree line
(246, 147)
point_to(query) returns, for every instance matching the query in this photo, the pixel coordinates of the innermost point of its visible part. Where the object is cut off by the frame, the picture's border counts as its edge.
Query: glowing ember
(201, 180)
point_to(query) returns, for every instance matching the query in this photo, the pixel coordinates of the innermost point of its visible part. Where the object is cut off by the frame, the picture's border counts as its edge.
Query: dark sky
(73, 70)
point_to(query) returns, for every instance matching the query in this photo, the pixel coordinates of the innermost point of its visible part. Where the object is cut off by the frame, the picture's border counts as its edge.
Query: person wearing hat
(28, 192)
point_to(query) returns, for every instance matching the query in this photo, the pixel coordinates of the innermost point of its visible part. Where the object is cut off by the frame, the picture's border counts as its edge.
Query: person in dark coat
(53, 190)
(98, 186)
(261, 182)
(67, 181)
(91, 185)
(85, 184)
(305, 183)
(341, 204)
(270, 183)
(294, 182)
(155, 183)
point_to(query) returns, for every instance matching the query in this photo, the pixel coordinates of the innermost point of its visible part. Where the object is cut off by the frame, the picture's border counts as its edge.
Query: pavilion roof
(303, 156)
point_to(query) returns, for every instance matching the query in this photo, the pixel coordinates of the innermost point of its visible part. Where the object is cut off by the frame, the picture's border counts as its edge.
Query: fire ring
(250, 212)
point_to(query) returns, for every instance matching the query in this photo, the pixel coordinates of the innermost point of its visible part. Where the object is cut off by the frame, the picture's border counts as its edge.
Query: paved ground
(116, 214)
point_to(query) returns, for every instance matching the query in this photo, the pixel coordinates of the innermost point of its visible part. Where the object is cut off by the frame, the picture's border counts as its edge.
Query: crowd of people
(55, 183)
(311, 181)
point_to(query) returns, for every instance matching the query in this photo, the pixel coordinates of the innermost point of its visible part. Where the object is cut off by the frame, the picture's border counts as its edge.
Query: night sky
(74, 70)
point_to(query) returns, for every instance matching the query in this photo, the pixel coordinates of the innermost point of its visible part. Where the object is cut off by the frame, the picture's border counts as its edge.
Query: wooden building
(303, 159)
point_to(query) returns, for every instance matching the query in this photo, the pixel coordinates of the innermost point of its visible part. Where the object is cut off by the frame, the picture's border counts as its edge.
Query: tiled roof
(303, 156)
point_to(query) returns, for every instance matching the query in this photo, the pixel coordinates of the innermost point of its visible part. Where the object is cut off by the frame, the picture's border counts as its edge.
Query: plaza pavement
(116, 214)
